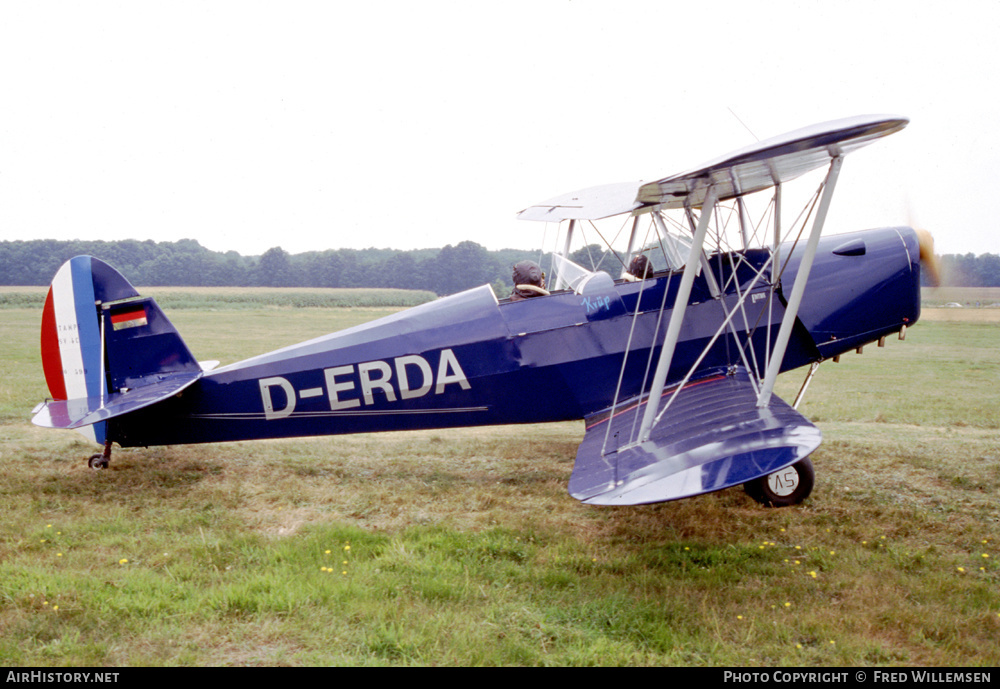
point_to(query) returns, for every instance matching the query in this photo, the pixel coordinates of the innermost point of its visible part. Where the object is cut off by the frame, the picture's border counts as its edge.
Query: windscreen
(568, 275)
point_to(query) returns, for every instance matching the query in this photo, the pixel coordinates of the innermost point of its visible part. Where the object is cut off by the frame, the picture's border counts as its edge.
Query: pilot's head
(528, 273)
(529, 281)
(640, 268)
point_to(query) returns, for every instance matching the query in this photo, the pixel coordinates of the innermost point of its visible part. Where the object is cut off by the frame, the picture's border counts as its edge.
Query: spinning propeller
(928, 261)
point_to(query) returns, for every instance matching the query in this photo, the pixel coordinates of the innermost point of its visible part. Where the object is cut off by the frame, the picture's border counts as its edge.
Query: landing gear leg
(102, 459)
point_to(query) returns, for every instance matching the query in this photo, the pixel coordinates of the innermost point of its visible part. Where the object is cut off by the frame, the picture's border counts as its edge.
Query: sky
(322, 125)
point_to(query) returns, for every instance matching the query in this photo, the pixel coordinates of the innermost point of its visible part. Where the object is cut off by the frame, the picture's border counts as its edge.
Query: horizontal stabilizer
(84, 411)
(713, 437)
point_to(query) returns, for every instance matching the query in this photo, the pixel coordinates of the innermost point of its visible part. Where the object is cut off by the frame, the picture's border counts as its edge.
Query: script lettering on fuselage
(355, 386)
(594, 304)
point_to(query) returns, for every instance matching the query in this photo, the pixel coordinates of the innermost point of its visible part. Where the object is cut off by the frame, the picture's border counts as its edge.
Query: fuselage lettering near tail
(368, 383)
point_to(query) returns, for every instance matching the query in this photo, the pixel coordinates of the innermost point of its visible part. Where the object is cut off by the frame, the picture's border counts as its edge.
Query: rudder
(99, 340)
(71, 345)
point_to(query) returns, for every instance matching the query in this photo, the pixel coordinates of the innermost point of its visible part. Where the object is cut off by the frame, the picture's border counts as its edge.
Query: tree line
(186, 263)
(969, 270)
(442, 271)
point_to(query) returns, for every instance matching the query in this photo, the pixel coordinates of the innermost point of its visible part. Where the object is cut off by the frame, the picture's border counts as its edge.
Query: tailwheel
(102, 459)
(98, 461)
(788, 486)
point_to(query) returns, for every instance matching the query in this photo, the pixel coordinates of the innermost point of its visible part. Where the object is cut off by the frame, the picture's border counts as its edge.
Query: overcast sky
(319, 125)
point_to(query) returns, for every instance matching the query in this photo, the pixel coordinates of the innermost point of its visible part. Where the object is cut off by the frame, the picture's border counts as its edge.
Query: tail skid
(106, 351)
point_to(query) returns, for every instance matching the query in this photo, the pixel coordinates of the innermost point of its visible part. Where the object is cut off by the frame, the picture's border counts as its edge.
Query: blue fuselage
(468, 359)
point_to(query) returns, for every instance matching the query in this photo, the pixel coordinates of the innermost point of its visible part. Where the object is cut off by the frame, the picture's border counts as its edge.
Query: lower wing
(713, 436)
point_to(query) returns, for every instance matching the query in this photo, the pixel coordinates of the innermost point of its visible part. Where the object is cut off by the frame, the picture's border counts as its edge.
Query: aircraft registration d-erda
(672, 371)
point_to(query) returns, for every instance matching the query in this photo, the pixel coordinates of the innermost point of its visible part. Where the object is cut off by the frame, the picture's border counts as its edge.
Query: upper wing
(714, 437)
(754, 168)
(592, 203)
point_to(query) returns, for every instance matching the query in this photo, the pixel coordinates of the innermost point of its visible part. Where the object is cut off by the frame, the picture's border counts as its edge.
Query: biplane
(672, 373)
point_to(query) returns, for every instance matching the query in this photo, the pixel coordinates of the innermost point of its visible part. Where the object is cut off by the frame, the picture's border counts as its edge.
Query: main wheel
(789, 486)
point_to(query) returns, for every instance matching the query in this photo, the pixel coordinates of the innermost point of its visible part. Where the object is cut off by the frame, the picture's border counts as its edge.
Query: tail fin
(100, 342)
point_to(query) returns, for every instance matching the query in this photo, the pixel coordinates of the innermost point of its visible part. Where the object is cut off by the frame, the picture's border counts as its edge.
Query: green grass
(461, 547)
(229, 298)
(968, 296)
(943, 374)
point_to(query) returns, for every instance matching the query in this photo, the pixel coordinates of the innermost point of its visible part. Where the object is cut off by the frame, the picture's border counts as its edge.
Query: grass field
(967, 296)
(462, 547)
(230, 298)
